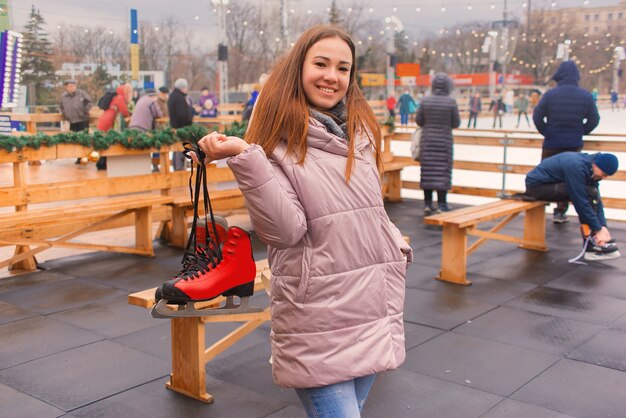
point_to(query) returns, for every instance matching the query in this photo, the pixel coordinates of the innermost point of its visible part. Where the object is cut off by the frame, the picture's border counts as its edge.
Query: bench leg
(143, 230)
(394, 185)
(188, 365)
(535, 229)
(454, 255)
(178, 232)
(29, 263)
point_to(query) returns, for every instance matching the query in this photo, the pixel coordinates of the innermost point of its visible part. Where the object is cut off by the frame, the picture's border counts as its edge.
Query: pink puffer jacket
(337, 262)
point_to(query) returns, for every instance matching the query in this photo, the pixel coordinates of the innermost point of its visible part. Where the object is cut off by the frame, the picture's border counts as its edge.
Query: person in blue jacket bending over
(575, 176)
(563, 115)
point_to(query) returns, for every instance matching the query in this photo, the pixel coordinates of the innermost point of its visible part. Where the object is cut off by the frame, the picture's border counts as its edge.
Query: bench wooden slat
(440, 218)
(505, 209)
(94, 209)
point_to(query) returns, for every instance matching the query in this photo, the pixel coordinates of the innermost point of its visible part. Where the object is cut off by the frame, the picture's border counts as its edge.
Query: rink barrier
(514, 139)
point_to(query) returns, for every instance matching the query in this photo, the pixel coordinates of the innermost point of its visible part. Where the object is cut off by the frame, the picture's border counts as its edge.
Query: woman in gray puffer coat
(437, 115)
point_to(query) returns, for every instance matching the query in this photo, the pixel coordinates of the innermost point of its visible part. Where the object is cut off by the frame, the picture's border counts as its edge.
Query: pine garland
(130, 138)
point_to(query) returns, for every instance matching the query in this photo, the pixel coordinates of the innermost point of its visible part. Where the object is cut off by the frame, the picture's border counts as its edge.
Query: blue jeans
(340, 400)
(404, 118)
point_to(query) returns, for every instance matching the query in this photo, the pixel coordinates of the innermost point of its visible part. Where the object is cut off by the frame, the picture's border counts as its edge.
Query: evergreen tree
(333, 14)
(37, 69)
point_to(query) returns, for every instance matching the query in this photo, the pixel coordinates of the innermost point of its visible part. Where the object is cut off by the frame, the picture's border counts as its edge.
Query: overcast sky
(113, 14)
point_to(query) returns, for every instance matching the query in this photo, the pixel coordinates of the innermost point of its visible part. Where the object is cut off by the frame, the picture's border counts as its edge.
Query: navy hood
(567, 73)
(442, 85)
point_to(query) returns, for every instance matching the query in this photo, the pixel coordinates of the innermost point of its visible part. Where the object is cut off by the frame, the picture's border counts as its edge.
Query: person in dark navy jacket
(563, 115)
(575, 176)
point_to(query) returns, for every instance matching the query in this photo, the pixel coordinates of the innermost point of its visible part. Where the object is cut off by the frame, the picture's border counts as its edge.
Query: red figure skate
(209, 269)
(206, 277)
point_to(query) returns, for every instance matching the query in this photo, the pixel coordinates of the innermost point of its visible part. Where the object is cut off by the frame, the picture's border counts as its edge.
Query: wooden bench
(189, 355)
(48, 205)
(460, 223)
(392, 182)
(19, 228)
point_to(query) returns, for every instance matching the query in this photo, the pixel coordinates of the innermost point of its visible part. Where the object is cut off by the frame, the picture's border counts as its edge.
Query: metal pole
(222, 62)
(505, 167)
(616, 63)
(391, 75)
(505, 44)
(284, 28)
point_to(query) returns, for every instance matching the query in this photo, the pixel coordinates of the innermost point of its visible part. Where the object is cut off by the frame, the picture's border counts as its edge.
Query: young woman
(310, 173)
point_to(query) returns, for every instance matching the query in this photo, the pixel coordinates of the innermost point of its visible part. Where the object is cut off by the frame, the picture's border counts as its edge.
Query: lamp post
(618, 57)
(395, 25)
(490, 46)
(222, 50)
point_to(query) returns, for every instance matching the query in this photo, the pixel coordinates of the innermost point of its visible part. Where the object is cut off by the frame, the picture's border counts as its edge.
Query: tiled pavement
(533, 336)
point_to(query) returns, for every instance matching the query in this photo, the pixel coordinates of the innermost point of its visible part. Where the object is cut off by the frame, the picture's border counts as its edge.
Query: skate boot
(202, 243)
(205, 276)
(596, 252)
(221, 227)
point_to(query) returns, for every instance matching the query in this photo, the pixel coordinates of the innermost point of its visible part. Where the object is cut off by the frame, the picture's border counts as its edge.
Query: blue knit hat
(608, 163)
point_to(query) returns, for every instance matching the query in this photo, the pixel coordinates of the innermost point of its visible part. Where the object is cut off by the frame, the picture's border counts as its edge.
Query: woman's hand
(217, 146)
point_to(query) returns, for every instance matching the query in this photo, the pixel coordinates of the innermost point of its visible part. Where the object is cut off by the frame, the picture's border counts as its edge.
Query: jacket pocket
(303, 286)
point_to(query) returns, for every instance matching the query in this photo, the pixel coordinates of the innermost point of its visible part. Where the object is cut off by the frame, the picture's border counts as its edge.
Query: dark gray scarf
(335, 119)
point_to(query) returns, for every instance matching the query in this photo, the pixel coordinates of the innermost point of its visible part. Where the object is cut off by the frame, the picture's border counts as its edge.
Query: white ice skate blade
(601, 257)
(163, 310)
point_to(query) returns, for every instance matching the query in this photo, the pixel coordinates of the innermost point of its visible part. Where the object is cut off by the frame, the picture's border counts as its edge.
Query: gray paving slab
(37, 337)
(110, 319)
(134, 277)
(292, 411)
(529, 266)
(15, 404)
(152, 400)
(462, 358)
(90, 263)
(585, 307)
(10, 313)
(24, 281)
(578, 389)
(440, 310)
(54, 297)
(83, 375)
(415, 334)
(604, 349)
(406, 394)
(157, 341)
(550, 334)
(619, 323)
(251, 369)
(487, 289)
(510, 408)
(600, 279)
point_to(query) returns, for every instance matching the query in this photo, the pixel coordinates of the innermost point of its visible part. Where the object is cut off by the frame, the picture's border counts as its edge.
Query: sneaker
(430, 210)
(597, 252)
(559, 218)
(443, 207)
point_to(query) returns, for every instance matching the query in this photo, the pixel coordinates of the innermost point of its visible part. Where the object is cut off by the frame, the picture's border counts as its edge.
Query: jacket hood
(442, 85)
(567, 73)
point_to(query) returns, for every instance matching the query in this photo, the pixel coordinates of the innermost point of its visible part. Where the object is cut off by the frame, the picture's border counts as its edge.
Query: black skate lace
(199, 259)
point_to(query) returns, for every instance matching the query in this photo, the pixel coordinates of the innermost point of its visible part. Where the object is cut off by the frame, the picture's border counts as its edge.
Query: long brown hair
(281, 110)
